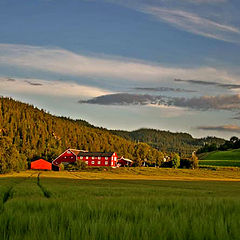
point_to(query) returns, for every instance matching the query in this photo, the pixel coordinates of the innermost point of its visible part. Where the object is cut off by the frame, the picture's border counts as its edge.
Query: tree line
(166, 141)
(233, 143)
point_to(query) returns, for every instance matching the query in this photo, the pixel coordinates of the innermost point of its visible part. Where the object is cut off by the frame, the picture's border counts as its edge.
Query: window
(93, 157)
(111, 163)
(86, 162)
(106, 158)
(115, 158)
(81, 157)
(99, 162)
(106, 162)
(86, 157)
(99, 158)
(93, 162)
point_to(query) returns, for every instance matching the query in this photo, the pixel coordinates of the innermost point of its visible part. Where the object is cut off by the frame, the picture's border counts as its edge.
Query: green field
(220, 163)
(57, 208)
(230, 158)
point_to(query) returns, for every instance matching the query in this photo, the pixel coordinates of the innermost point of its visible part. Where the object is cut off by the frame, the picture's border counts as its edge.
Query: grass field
(229, 158)
(102, 206)
(220, 163)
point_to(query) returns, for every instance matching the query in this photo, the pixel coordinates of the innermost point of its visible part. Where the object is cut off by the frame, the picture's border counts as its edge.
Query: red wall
(67, 156)
(100, 161)
(41, 165)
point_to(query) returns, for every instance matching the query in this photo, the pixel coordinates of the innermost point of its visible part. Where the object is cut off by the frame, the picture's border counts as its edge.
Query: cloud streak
(125, 99)
(223, 85)
(221, 102)
(194, 23)
(64, 62)
(48, 88)
(164, 89)
(224, 128)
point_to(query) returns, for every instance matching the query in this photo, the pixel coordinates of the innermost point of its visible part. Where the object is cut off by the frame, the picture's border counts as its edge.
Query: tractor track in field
(9, 193)
(46, 193)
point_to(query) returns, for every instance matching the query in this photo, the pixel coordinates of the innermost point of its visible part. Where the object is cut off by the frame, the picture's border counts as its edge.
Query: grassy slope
(222, 158)
(119, 209)
(224, 155)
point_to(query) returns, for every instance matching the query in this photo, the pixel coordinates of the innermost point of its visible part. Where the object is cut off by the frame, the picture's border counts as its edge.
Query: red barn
(41, 164)
(69, 156)
(124, 162)
(97, 159)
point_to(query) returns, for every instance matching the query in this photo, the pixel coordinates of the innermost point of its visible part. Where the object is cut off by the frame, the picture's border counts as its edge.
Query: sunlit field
(230, 158)
(38, 205)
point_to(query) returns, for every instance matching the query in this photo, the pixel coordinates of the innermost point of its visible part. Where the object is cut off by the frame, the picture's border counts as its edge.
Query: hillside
(167, 141)
(230, 158)
(27, 133)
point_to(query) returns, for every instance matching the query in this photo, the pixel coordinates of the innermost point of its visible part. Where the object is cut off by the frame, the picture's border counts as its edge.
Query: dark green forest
(27, 133)
(182, 143)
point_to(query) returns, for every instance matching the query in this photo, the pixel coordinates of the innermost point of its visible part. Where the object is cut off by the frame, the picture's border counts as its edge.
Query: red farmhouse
(96, 159)
(41, 165)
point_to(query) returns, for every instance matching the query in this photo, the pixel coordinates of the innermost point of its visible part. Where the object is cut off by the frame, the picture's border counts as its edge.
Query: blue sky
(55, 53)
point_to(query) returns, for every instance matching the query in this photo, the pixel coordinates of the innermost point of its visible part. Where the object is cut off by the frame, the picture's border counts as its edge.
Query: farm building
(124, 162)
(96, 159)
(41, 164)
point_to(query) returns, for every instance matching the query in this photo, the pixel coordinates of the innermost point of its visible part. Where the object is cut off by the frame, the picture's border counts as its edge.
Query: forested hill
(168, 141)
(27, 133)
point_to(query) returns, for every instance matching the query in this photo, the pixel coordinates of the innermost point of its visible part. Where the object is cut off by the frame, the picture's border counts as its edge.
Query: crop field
(39, 205)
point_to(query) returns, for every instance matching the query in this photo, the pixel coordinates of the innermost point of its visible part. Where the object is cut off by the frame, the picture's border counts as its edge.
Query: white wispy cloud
(194, 23)
(48, 88)
(103, 67)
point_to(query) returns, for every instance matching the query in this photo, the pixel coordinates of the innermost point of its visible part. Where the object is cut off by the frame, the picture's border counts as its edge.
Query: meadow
(69, 205)
(230, 158)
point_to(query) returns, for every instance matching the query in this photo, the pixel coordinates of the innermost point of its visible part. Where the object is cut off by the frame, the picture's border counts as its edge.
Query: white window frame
(106, 158)
(93, 157)
(99, 158)
(86, 162)
(93, 162)
(81, 157)
(86, 157)
(99, 162)
(106, 162)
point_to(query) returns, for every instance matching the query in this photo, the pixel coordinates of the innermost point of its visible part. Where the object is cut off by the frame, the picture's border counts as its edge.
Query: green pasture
(230, 158)
(223, 155)
(220, 163)
(52, 208)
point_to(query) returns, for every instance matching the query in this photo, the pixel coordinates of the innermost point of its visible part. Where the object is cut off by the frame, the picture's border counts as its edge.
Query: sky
(165, 64)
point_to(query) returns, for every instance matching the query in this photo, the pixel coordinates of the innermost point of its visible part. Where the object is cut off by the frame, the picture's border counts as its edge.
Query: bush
(80, 165)
(186, 163)
(175, 161)
(190, 163)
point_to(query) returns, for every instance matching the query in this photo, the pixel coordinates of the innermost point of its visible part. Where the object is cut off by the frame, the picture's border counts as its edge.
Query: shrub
(80, 165)
(175, 161)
